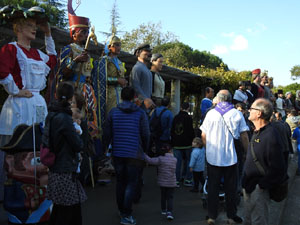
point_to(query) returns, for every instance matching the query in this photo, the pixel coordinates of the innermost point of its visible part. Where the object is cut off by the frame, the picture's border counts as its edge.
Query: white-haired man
(221, 128)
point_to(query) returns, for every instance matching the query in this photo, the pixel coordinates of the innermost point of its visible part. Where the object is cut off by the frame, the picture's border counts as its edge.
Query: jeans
(127, 174)
(183, 154)
(198, 177)
(256, 207)
(166, 198)
(215, 174)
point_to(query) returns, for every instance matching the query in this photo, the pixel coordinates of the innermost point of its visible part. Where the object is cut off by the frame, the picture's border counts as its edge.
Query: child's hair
(64, 92)
(241, 105)
(198, 141)
(79, 98)
(165, 148)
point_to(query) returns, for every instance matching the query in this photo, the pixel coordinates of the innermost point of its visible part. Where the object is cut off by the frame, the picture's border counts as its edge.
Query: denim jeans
(166, 198)
(180, 155)
(127, 174)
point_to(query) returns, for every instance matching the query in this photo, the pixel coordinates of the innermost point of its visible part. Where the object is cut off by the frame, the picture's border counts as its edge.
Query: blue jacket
(197, 161)
(166, 122)
(127, 129)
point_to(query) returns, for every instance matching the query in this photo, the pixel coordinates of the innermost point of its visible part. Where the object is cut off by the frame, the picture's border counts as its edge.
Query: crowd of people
(94, 102)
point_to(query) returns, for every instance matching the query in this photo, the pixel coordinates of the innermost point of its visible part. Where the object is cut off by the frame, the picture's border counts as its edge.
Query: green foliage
(295, 72)
(291, 87)
(55, 10)
(178, 54)
(146, 33)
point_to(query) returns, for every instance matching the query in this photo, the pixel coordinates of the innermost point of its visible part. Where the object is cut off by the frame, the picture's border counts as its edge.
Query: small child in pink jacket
(166, 178)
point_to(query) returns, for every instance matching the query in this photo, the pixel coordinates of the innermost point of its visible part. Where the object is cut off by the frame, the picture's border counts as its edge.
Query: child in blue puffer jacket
(197, 164)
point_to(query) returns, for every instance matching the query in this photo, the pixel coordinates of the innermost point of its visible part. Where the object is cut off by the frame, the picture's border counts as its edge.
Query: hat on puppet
(76, 22)
(111, 40)
(255, 73)
(145, 47)
(11, 13)
(114, 39)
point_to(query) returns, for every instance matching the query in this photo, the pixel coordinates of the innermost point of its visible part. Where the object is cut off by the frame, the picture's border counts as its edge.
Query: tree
(178, 54)
(295, 72)
(55, 10)
(115, 21)
(146, 33)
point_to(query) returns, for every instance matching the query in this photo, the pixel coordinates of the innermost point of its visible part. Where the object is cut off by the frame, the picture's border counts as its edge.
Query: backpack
(155, 125)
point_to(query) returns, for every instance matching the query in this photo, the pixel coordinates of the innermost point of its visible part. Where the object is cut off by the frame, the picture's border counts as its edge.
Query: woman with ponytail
(64, 189)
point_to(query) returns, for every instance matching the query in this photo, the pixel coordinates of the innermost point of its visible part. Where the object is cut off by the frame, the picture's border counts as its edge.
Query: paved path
(100, 208)
(292, 210)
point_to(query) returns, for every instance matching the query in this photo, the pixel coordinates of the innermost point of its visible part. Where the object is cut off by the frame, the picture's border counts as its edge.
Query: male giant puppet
(76, 66)
(108, 78)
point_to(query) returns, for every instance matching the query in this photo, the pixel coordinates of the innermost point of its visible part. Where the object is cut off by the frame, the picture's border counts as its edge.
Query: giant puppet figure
(108, 79)
(76, 66)
(23, 74)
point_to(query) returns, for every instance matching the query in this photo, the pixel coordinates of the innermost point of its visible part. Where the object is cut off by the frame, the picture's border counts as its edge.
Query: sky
(245, 34)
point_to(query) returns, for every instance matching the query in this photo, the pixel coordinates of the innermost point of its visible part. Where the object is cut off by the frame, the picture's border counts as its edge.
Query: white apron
(21, 110)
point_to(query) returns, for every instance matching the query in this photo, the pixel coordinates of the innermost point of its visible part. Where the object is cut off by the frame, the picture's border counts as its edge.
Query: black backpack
(155, 125)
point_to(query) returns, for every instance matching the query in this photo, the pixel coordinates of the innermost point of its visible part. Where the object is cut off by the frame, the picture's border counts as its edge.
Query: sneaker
(194, 190)
(170, 216)
(163, 212)
(188, 183)
(127, 220)
(210, 221)
(177, 184)
(235, 220)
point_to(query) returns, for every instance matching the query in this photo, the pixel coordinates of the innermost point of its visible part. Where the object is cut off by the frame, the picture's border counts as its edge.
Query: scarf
(223, 107)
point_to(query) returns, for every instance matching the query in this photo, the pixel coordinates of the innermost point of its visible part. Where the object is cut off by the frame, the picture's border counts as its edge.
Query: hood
(56, 106)
(128, 107)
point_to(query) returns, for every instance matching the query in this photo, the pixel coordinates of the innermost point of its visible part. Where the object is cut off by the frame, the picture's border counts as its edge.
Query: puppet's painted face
(21, 166)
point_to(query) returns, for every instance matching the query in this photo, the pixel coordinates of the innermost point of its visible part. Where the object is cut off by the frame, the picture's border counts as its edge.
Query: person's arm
(153, 161)
(203, 137)
(245, 141)
(136, 77)
(144, 131)
(192, 160)
(8, 61)
(295, 134)
(254, 90)
(50, 45)
(170, 121)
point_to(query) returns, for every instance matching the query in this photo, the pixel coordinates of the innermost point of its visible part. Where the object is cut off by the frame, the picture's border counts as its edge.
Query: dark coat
(268, 149)
(64, 142)
(182, 132)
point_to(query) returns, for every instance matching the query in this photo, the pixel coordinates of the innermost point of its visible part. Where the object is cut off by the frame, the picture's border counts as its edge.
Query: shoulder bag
(46, 155)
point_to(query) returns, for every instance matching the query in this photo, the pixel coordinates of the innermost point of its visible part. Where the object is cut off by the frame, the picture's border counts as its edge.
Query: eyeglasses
(253, 109)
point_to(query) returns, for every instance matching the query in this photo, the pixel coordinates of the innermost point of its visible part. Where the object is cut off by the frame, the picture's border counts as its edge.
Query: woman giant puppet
(23, 72)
